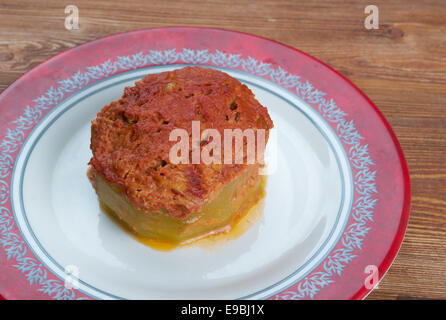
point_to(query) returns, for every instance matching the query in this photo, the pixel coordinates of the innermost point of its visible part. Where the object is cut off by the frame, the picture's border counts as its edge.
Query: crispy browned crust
(130, 137)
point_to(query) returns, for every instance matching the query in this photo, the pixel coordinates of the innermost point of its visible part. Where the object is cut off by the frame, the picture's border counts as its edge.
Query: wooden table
(401, 67)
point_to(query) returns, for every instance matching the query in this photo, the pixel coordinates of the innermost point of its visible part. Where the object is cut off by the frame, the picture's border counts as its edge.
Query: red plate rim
(263, 50)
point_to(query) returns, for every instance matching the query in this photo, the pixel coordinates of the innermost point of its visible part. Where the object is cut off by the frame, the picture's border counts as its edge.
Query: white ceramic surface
(309, 194)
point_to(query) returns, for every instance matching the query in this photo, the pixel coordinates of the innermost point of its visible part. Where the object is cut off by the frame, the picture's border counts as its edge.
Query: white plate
(308, 201)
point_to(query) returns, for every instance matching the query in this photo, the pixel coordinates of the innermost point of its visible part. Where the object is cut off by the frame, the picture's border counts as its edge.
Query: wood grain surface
(401, 67)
